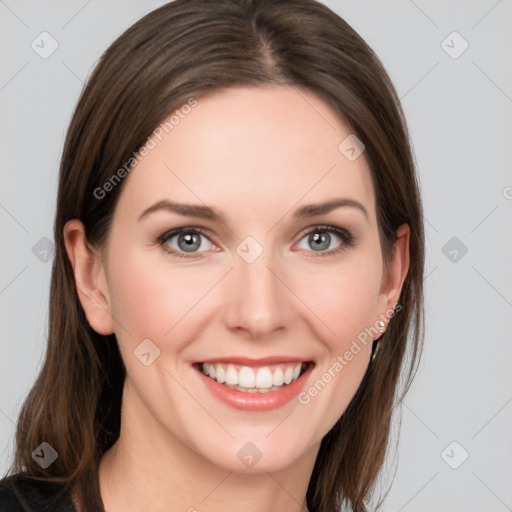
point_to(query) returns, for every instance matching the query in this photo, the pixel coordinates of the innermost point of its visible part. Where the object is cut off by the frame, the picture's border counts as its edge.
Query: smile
(254, 386)
(253, 380)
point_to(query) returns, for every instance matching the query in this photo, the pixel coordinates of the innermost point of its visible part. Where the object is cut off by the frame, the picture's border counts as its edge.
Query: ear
(90, 279)
(394, 276)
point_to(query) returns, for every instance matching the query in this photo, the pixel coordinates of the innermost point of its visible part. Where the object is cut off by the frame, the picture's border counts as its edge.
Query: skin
(256, 155)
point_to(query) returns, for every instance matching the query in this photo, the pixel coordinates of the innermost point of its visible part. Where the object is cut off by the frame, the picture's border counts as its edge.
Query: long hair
(185, 49)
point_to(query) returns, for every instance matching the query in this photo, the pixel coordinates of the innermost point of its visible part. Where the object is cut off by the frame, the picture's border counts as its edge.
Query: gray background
(459, 113)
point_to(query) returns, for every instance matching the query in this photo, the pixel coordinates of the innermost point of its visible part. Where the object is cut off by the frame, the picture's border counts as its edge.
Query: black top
(20, 494)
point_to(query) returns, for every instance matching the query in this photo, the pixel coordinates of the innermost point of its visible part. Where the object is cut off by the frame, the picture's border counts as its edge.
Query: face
(258, 281)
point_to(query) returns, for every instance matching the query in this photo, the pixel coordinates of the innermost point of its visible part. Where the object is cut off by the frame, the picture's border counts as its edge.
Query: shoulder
(18, 493)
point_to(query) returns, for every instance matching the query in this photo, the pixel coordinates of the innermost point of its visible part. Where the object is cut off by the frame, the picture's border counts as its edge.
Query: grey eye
(319, 241)
(322, 239)
(189, 242)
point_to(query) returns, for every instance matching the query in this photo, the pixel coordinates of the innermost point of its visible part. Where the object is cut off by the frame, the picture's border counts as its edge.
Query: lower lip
(256, 402)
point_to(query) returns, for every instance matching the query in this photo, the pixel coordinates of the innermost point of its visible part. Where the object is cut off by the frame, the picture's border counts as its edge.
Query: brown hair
(190, 48)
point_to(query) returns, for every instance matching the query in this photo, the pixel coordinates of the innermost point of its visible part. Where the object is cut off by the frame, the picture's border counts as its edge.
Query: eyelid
(324, 227)
(176, 231)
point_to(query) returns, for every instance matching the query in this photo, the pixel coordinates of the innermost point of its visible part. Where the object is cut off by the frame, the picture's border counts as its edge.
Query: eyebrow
(311, 210)
(205, 212)
(190, 210)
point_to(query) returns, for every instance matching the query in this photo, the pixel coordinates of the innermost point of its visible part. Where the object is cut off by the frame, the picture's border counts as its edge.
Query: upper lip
(246, 361)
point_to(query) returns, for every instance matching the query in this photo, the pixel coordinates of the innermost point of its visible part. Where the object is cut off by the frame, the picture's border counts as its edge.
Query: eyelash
(348, 240)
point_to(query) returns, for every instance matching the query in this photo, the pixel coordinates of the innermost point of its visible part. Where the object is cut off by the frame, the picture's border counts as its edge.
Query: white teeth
(252, 380)
(278, 378)
(264, 378)
(221, 374)
(246, 378)
(256, 390)
(231, 376)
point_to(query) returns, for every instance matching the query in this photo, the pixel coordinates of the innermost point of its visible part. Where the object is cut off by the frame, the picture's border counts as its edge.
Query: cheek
(346, 298)
(150, 295)
(141, 296)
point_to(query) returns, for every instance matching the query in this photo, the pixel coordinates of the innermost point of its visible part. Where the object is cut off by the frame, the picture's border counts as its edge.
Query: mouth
(254, 385)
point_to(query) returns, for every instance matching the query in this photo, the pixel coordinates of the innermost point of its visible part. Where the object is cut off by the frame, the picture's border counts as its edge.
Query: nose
(258, 301)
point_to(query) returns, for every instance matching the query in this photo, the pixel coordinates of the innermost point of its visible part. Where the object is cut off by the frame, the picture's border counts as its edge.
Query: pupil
(191, 240)
(319, 241)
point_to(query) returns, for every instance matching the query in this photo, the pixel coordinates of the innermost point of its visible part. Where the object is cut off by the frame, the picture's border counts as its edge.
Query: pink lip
(245, 361)
(255, 402)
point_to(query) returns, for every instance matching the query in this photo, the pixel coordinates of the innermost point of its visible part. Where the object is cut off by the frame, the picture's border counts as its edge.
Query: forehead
(261, 150)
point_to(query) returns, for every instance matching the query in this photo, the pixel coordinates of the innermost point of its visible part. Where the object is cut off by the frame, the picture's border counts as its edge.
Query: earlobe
(90, 279)
(394, 278)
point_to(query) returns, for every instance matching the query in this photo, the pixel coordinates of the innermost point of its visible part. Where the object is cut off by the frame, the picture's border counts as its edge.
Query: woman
(238, 271)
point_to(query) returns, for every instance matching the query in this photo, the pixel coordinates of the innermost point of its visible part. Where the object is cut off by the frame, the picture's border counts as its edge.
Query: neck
(149, 468)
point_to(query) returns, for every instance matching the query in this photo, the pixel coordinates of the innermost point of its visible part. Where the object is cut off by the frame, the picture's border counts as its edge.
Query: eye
(326, 240)
(186, 242)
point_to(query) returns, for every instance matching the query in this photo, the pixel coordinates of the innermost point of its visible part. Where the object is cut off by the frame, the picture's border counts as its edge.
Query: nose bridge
(258, 300)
